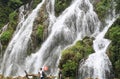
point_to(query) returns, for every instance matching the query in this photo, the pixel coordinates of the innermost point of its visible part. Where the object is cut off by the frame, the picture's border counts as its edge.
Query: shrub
(118, 6)
(71, 57)
(14, 3)
(40, 32)
(69, 68)
(4, 14)
(5, 37)
(13, 18)
(102, 8)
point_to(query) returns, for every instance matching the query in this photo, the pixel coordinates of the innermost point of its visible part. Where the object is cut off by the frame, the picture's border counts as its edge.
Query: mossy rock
(72, 55)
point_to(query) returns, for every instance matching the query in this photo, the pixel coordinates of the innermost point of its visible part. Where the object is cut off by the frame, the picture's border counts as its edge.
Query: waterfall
(22, 14)
(98, 65)
(15, 53)
(77, 21)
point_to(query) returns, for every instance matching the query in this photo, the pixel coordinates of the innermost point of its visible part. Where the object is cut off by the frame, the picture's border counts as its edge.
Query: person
(60, 74)
(41, 73)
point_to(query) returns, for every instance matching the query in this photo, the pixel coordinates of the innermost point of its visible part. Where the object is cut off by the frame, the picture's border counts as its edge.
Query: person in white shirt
(41, 73)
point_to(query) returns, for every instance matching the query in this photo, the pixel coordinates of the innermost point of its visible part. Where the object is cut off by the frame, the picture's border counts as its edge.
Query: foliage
(35, 3)
(118, 6)
(69, 68)
(60, 5)
(5, 37)
(14, 4)
(114, 49)
(71, 57)
(4, 14)
(25, 1)
(114, 34)
(102, 8)
(13, 18)
(40, 33)
(7, 7)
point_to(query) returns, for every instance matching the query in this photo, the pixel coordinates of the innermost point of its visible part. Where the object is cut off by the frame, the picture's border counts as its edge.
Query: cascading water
(16, 51)
(51, 12)
(22, 14)
(98, 65)
(76, 22)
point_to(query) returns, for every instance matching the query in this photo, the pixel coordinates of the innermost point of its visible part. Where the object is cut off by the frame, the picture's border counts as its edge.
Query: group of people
(41, 74)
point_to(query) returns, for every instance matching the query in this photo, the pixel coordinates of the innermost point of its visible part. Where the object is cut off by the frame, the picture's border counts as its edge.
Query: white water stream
(98, 64)
(76, 22)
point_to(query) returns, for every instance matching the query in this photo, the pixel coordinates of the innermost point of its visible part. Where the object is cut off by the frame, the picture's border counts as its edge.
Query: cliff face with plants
(73, 55)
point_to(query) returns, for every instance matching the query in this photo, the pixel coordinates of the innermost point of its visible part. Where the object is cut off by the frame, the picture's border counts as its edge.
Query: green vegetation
(7, 8)
(102, 8)
(35, 3)
(5, 37)
(71, 57)
(114, 49)
(118, 6)
(40, 33)
(14, 4)
(8, 15)
(4, 14)
(61, 5)
(13, 18)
